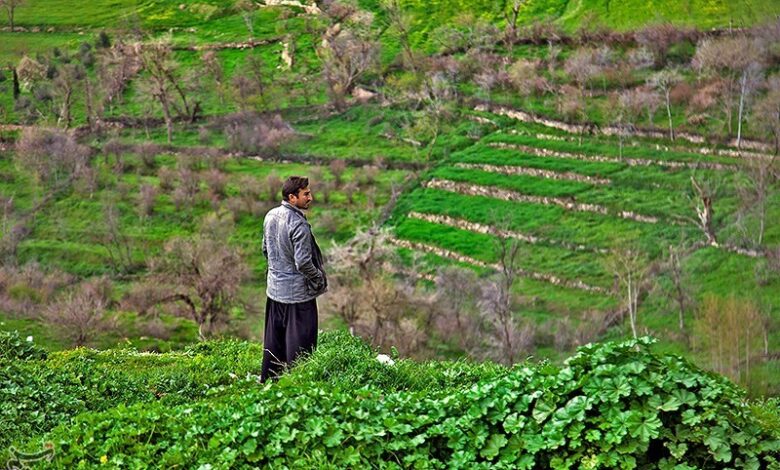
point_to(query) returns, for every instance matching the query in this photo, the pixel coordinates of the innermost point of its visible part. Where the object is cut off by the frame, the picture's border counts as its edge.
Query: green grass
(553, 222)
(573, 266)
(649, 202)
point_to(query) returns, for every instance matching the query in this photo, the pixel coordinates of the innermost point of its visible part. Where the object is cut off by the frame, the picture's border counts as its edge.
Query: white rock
(29, 339)
(385, 359)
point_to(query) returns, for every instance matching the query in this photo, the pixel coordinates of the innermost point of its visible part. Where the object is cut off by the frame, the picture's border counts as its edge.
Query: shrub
(612, 405)
(15, 348)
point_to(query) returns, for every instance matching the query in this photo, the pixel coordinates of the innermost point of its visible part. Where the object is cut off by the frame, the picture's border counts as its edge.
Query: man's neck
(293, 207)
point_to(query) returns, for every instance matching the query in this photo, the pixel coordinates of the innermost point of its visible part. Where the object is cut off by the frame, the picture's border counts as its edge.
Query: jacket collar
(293, 208)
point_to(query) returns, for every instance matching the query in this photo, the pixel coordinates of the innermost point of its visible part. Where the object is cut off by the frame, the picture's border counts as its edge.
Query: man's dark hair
(292, 185)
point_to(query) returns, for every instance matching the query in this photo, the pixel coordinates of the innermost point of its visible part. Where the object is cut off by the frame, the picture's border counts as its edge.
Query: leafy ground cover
(611, 405)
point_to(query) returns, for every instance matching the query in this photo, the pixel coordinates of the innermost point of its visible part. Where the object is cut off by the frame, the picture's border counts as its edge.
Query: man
(295, 279)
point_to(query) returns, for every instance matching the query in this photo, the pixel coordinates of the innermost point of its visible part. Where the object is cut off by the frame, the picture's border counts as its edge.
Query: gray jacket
(295, 272)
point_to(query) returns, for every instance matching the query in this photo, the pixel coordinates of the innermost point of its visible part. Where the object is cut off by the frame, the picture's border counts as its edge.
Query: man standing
(295, 279)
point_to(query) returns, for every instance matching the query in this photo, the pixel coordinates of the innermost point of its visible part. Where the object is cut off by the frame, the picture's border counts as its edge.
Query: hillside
(513, 200)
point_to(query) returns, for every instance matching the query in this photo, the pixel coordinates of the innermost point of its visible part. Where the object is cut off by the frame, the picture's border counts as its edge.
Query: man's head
(296, 191)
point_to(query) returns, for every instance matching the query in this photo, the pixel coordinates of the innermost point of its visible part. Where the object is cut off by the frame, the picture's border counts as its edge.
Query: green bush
(612, 405)
(36, 396)
(14, 347)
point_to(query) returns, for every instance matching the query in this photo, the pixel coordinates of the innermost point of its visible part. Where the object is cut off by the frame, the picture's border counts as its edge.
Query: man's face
(303, 199)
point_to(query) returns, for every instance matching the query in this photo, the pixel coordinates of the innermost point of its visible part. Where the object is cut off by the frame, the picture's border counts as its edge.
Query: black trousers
(290, 329)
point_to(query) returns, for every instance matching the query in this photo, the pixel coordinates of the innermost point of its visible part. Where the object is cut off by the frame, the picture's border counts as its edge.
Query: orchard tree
(629, 265)
(10, 6)
(767, 111)
(168, 85)
(739, 62)
(664, 81)
(202, 272)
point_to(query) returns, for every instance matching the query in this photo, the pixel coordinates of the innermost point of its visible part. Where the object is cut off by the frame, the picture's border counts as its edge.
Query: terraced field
(571, 206)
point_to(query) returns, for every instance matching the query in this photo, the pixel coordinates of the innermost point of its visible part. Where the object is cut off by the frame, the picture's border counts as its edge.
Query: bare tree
(82, 312)
(274, 184)
(216, 72)
(253, 133)
(511, 15)
(53, 156)
(346, 54)
(366, 297)
(706, 190)
(756, 189)
(64, 85)
(582, 66)
(767, 111)
(166, 84)
(510, 336)
(337, 168)
(739, 62)
(115, 241)
(115, 68)
(679, 282)
(401, 21)
(658, 39)
(629, 266)
(664, 81)
(457, 292)
(731, 332)
(202, 272)
(10, 6)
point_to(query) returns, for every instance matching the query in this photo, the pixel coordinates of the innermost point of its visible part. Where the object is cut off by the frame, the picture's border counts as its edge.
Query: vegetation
(502, 182)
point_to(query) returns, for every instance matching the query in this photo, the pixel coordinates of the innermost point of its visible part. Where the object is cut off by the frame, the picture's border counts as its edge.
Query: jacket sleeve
(300, 235)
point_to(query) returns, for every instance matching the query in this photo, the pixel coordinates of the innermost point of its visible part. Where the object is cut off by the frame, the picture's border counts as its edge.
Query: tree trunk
(742, 89)
(669, 114)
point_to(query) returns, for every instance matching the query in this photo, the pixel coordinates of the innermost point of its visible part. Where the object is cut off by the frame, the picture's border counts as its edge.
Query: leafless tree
(680, 282)
(253, 133)
(705, 191)
(731, 332)
(511, 15)
(739, 61)
(756, 189)
(364, 295)
(456, 294)
(216, 72)
(346, 54)
(401, 21)
(767, 111)
(337, 168)
(166, 84)
(82, 312)
(116, 241)
(629, 266)
(64, 86)
(571, 103)
(147, 194)
(510, 337)
(203, 272)
(115, 68)
(274, 184)
(664, 81)
(582, 66)
(53, 156)
(10, 6)
(658, 39)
